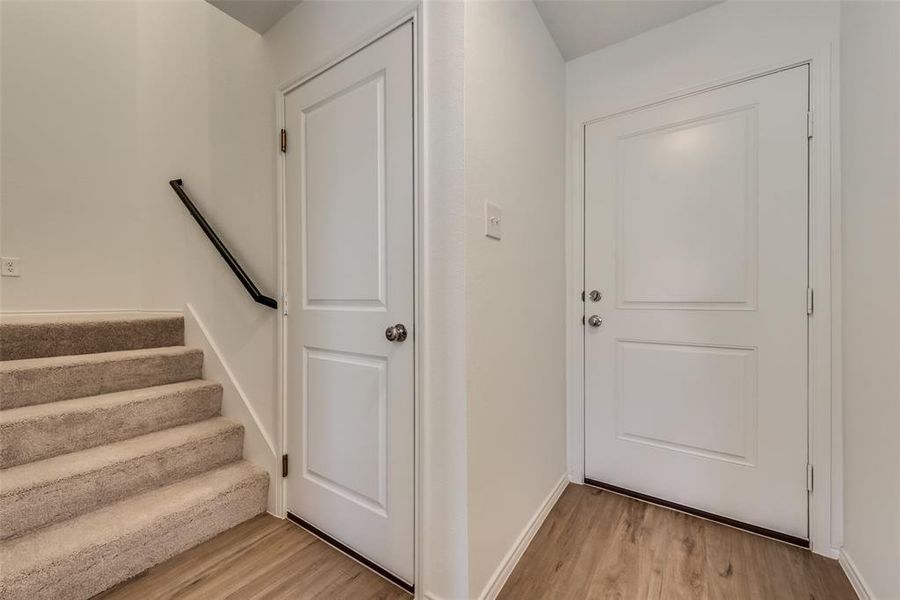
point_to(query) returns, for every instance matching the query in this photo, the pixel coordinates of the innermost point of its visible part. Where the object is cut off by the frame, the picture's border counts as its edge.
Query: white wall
(515, 287)
(69, 127)
(443, 523)
(870, 147)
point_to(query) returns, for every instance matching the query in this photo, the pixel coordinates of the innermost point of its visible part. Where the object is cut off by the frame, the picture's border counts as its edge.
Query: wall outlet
(9, 267)
(492, 218)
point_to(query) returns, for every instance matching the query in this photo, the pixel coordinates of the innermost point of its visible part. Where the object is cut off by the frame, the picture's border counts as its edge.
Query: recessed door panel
(663, 388)
(345, 425)
(687, 212)
(696, 235)
(343, 196)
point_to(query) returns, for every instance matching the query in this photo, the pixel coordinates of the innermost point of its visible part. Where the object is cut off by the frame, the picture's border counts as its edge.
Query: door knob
(396, 333)
(595, 321)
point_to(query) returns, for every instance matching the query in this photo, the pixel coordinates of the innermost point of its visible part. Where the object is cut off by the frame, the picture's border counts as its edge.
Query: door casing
(420, 330)
(824, 402)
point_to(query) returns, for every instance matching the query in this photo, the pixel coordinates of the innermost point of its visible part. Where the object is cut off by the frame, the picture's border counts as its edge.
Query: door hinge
(284, 305)
(810, 301)
(810, 122)
(284, 465)
(283, 140)
(809, 477)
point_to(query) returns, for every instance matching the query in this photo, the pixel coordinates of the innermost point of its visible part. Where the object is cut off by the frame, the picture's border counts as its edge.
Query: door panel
(344, 229)
(676, 181)
(349, 242)
(696, 235)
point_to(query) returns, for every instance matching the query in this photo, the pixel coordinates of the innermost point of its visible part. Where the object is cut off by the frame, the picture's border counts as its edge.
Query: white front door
(349, 242)
(696, 240)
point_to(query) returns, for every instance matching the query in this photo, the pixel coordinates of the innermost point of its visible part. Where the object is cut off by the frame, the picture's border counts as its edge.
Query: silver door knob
(396, 333)
(595, 321)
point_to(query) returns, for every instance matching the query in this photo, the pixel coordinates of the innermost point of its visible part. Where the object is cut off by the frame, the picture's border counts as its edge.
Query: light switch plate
(9, 267)
(492, 221)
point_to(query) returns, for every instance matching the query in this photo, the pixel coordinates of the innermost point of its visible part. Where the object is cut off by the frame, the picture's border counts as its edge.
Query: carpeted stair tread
(24, 336)
(113, 454)
(32, 433)
(83, 556)
(30, 381)
(47, 491)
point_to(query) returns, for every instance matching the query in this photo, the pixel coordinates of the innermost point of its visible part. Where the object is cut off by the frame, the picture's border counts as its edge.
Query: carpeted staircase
(113, 455)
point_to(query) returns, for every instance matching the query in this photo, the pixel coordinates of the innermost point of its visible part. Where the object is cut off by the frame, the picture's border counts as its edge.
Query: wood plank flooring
(594, 544)
(597, 544)
(266, 558)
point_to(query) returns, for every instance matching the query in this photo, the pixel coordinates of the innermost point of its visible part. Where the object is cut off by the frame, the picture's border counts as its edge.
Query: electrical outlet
(9, 267)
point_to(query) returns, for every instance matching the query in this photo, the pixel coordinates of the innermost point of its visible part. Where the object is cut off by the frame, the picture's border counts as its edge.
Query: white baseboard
(258, 445)
(859, 584)
(498, 579)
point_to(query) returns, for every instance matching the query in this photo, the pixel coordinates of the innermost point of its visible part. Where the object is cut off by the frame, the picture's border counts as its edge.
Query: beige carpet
(113, 455)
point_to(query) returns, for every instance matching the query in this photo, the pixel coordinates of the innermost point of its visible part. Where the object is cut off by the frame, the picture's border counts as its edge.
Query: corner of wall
(856, 580)
(498, 579)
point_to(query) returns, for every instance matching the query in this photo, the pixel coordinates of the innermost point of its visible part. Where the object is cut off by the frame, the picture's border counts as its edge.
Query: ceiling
(582, 26)
(256, 14)
(578, 26)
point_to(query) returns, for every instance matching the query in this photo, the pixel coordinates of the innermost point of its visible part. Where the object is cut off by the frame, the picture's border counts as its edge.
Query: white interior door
(696, 238)
(349, 243)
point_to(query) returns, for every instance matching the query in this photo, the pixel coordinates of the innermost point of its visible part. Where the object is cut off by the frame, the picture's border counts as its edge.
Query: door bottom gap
(350, 552)
(696, 512)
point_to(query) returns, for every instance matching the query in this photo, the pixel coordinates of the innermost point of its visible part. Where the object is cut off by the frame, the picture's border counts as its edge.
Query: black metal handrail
(236, 268)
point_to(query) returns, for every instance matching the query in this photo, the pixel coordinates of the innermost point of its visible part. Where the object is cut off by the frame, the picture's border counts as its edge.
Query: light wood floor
(262, 558)
(596, 544)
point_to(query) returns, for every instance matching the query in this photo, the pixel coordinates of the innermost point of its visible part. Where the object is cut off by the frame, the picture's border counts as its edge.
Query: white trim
(825, 406)
(859, 584)
(498, 579)
(825, 426)
(217, 369)
(419, 328)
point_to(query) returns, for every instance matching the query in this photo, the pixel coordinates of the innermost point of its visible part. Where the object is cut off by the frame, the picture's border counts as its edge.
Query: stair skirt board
(343, 548)
(114, 457)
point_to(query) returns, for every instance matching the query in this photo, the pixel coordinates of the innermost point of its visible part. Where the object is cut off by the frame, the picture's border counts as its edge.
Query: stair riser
(25, 510)
(55, 434)
(33, 340)
(98, 568)
(42, 384)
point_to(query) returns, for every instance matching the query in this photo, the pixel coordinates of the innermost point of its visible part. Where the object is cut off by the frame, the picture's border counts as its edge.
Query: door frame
(418, 327)
(824, 403)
